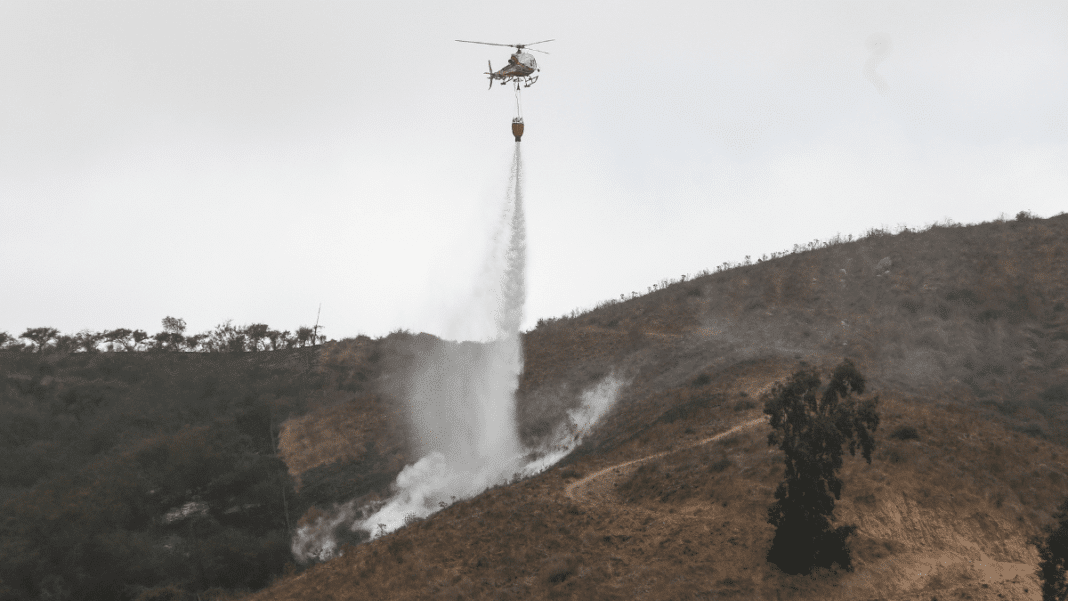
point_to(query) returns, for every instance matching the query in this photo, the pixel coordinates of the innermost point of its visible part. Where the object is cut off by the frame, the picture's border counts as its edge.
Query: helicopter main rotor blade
(486, 43)
(536, 50)
(541, 42)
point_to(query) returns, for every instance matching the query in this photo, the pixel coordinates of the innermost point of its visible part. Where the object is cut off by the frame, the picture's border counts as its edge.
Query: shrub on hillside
(399, 548)
(1051, 402)
(559, 568)
(720, 464)
(570, 472)
(164, 593)
(905, 433)
(963, 295)
(744, 405)
(894, 456)
(1056, 394)
(1052, 569)
(690, 404)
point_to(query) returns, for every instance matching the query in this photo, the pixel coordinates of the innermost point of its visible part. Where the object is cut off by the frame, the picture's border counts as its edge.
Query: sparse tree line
(225, 337)
(815, 244)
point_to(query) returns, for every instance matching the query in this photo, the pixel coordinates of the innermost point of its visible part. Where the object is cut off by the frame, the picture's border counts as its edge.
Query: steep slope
(963, 332)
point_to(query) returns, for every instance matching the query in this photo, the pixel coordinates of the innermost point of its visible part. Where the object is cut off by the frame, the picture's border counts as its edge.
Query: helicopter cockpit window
(527, 60)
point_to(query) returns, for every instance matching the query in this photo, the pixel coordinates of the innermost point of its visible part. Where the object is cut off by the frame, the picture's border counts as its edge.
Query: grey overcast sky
(251, 160)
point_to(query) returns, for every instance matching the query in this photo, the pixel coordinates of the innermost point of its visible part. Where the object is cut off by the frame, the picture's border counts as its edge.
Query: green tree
(304, 336)
(161, 341)
(226, 337)
(5, 339)
(257, 333)
(195, 342)
(87, 340)
(139, 338)
(238, 344)
(173, 325)
(1052, 569)
(120, 336)
(278, 339)
(65, 343)
(811, 430)
(40, 337)
(171, 338)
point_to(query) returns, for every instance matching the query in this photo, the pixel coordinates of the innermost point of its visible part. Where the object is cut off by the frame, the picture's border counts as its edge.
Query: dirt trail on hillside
(579, 490)
(907, 577)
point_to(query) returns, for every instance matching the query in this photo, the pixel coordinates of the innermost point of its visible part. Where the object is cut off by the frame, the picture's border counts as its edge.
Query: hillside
(182, 475)
(962, 331)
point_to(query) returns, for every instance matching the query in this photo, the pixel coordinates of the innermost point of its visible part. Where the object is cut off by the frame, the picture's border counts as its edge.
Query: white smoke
(462, 406)
(316, 540)
(595, 403)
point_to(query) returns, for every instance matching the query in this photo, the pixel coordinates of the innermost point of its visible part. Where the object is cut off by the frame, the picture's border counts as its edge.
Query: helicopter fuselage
(521, 68)
(513, 71)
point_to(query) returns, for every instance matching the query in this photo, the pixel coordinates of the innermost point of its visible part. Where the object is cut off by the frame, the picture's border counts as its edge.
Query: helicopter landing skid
(526, 82)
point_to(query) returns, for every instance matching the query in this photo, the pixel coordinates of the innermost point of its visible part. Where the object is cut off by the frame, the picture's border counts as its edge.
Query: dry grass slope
(964, 335)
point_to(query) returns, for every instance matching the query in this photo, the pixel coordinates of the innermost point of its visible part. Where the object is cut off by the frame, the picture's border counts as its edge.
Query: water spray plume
(462, 409)
(462, 399)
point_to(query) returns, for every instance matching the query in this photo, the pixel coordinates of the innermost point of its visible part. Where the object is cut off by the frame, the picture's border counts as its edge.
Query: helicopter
(521, 65)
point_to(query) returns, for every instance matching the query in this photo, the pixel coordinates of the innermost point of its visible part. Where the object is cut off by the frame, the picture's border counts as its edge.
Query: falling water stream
(462, 407)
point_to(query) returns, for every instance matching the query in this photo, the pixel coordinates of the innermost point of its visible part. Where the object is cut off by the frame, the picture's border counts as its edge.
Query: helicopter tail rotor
(490, 65)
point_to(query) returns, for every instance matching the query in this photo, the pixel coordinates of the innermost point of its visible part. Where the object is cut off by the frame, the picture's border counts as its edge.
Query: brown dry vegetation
(965, 338)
